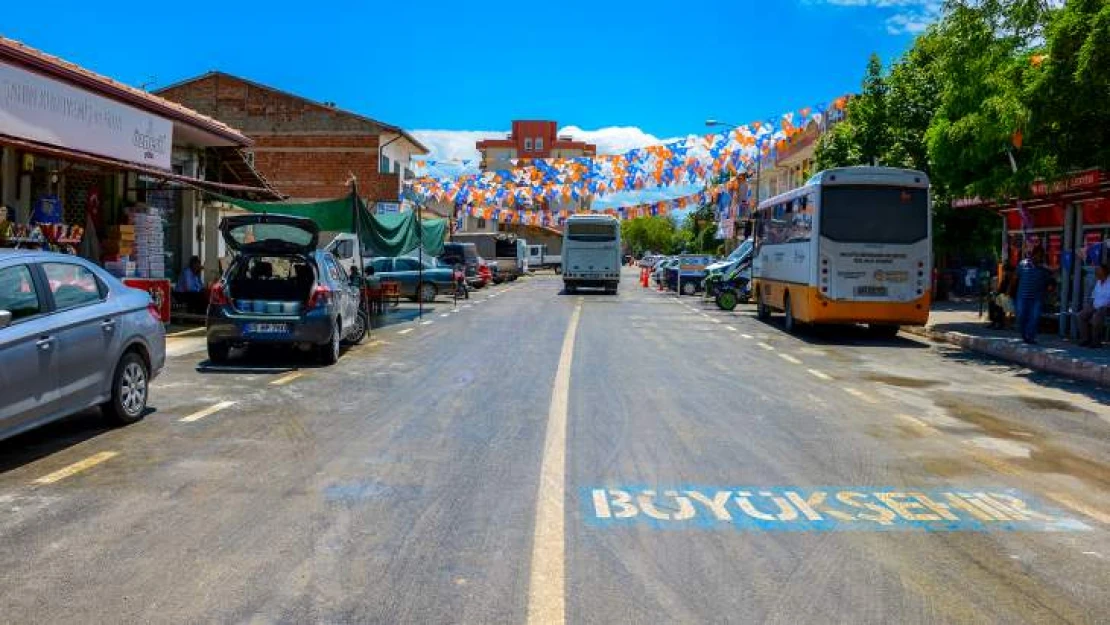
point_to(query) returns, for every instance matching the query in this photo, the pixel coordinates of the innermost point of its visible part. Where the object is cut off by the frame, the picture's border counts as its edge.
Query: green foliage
(644, 234)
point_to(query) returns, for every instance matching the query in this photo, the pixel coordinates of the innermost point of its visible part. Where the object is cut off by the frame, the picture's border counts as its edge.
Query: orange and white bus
(854, 245)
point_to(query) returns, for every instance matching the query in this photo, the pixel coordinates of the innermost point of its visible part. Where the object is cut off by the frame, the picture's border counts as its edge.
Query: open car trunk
(274, 285)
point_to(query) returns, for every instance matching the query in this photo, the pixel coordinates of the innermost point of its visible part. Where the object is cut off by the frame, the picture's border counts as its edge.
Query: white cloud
(902, 16)
(613, 139)
(454, 145)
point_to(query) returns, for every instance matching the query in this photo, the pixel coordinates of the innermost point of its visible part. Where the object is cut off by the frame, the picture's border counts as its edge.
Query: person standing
(1034, 279)
(1093, 316)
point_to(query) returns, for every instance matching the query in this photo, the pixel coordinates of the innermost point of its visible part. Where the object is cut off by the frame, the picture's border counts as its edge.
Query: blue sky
(621, 73)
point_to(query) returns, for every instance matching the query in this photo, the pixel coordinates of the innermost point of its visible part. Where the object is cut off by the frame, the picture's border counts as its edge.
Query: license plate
(267, 328)
(871, 291)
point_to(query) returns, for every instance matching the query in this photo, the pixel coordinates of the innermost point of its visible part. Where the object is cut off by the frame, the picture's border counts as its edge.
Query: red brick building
(305, 149)
(531, 139)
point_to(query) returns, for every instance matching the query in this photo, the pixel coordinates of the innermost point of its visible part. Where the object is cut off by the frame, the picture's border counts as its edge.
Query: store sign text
(42, 109)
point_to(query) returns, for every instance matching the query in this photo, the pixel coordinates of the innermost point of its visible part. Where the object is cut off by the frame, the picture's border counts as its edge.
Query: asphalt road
(544, 457)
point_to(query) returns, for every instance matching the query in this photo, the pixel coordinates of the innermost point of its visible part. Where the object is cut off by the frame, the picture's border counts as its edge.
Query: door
(28, 348)
(407, 271)
(88, 333)
(347, 299)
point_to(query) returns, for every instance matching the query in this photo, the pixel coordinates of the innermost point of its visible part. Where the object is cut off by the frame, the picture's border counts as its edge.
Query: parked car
(659, 269)
(280, 289)
(485, 274)
(692, 270)
(437, 277)
(72, 337)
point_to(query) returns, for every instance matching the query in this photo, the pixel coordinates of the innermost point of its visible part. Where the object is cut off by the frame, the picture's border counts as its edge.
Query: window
(871, 214)
(592, 232)
(383, 166)
(344, 249)
(528, 144)
(17, 292)
(382, 265)
(407, 264)
(72, 285)
(334, 270)
(539, 144)
(481, 223)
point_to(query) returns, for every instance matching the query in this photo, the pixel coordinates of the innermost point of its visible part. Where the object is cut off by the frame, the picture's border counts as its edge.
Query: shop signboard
(1083, 180)
(42, 109)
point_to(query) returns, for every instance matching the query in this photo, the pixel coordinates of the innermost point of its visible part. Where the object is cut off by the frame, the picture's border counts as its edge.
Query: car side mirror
(5, 318)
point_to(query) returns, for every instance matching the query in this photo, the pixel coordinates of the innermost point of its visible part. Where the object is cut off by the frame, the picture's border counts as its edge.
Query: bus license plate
(871, 291)
(267, 328)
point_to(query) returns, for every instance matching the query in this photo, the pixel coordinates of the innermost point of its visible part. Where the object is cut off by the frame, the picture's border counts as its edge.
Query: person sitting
(1092, 318)
(190, 287)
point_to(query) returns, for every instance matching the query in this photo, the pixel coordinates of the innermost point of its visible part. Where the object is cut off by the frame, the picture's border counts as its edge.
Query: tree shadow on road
(959, 356)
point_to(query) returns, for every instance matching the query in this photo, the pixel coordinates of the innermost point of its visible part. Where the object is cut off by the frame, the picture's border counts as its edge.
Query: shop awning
(1082, 186)
(261, 192)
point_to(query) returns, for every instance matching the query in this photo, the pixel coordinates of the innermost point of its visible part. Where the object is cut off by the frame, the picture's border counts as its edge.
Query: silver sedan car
(72, 336)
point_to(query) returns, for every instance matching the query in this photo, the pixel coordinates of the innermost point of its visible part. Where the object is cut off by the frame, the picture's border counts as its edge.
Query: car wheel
(762, 311)
(358, 331)
(129, 390)
(788, 323)
(329, 352)
(218, 352)
(426, 292)
(570, 288)
(689, 288)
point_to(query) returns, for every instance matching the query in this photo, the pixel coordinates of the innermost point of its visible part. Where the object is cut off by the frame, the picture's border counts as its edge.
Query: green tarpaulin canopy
(392, 234)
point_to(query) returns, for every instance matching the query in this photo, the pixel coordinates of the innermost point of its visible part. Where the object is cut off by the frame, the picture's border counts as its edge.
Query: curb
(1032, 358)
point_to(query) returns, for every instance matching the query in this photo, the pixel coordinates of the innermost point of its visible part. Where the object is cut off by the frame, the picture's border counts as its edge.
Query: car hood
(269, 233)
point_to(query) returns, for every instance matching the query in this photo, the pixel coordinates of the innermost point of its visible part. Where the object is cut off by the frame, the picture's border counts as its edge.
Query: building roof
(18, 53)
(388, 127)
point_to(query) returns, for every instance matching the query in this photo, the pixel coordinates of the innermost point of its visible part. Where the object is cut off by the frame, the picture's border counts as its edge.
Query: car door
(408, 270)
(28, 350)
(88, 331)
(348, 293)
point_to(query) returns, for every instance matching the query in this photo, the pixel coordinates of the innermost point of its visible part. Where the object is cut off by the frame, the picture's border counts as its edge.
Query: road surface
(541, 457)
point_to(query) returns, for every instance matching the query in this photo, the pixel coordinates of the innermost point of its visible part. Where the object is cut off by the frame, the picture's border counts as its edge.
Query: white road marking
(821, 375)
(185, 332)
(860, 395)
(746, 336)
(714, 320)
(200, 414)
(732, 329)
(1080, 507)
(286, 379)
(766, 347)
(918, 423)
(76, 467)
(790, 359)
(406, 331)
(426, 323)
(546, 584)
(445, 315)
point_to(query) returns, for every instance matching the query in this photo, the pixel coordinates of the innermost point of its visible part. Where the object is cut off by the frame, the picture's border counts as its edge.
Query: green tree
(868, 112)
(644, 234)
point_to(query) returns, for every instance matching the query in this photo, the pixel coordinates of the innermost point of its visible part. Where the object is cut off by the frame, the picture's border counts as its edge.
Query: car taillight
(218, 296)
(154, 312)
(320, 296)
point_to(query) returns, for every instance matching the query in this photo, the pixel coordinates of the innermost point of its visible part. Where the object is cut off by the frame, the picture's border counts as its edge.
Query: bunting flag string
(553, 185)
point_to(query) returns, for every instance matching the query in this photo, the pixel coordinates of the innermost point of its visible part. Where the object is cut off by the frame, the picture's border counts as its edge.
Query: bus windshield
(591, 233)
(871, 214)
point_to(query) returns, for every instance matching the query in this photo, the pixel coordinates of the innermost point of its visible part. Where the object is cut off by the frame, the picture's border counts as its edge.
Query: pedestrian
(1092, 318)
(190, 287)
(1034, 279)
(1001, 302)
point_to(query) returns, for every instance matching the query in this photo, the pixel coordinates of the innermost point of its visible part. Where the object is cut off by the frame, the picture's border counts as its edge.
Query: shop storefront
(93, 167)
(1069, 220)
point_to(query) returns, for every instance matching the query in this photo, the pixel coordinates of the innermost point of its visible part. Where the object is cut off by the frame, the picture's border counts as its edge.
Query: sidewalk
(959, 323)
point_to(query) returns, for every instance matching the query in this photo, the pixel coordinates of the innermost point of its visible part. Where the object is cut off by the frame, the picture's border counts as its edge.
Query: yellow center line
(819, 374)
(185, 332)
(790, 359)
(766, 347)
(918, 423)
(546, 584)
(76, 467)
(286, 379)
(200, 414)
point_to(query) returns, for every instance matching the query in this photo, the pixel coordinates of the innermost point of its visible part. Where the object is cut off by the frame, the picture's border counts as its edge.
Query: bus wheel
(761, 309)
(788, 322)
